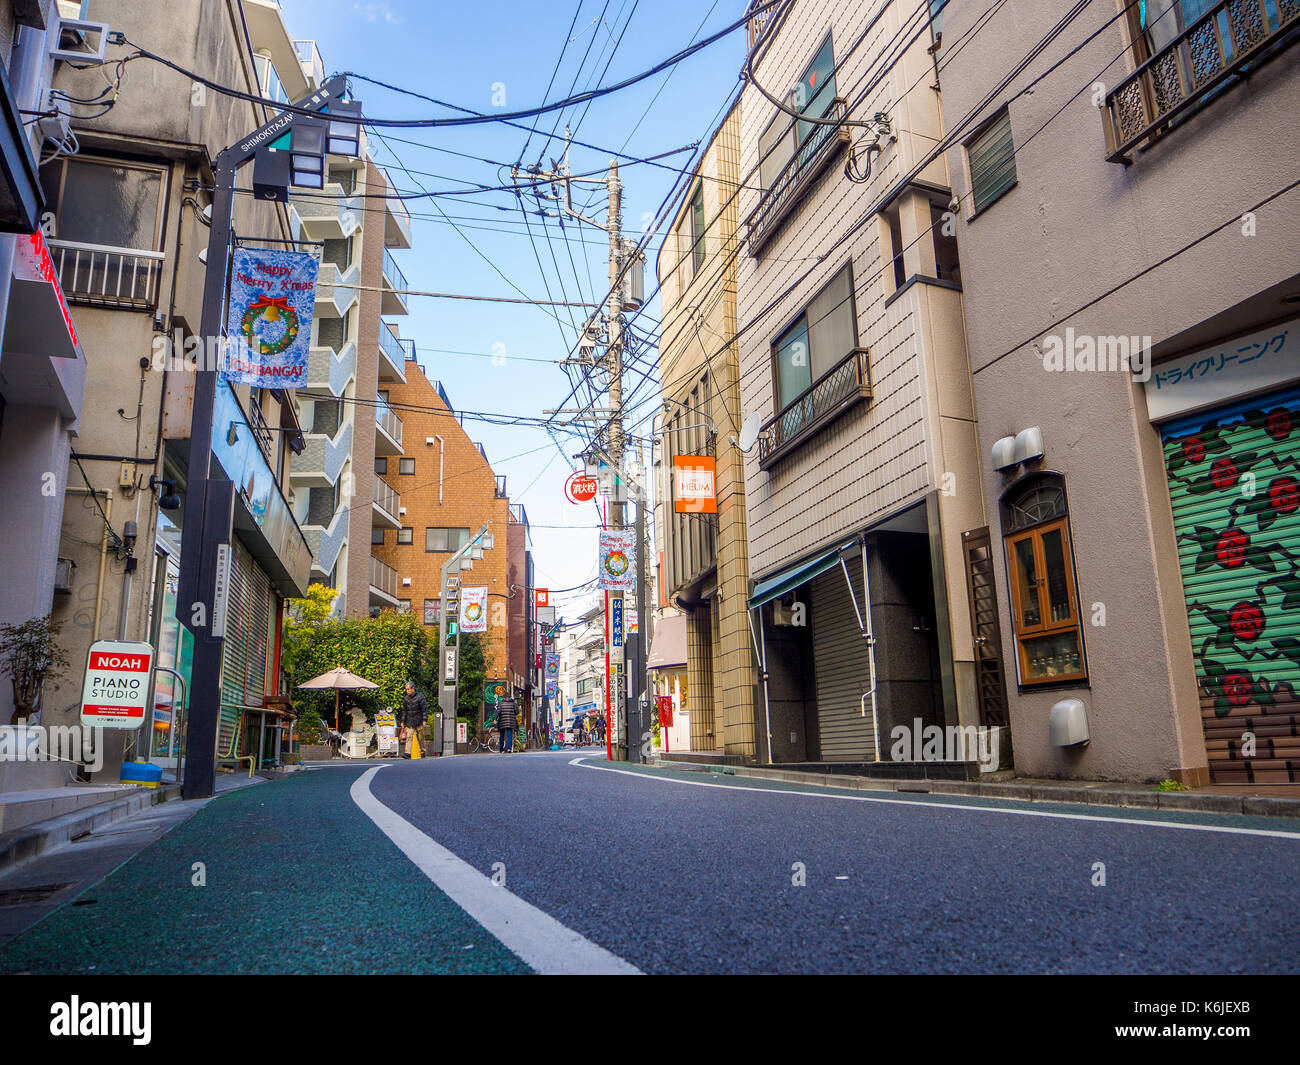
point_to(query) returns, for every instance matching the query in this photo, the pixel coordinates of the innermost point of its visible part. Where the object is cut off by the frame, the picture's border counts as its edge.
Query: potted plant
(30, 655)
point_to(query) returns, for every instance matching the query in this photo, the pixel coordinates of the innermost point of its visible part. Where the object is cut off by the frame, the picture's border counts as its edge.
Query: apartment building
(357, 354)
(127, 228)
(42, 361)
(1132, 294)
(430, 498)
(863, 475)
(580, 646)
(703, 550)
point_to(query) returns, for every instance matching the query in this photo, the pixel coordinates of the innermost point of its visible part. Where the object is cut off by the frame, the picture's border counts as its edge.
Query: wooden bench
(230, 725)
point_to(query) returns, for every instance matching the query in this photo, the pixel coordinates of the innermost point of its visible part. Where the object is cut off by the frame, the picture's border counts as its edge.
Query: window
(696, 221)
(812, 96)
(432, 611)
(586, 686)
(992, 159)
(406, 535)
(114, 203)
(377, 537)
(817, 341)
(406, 465)
(381, 466)
(1040, 567)
(445, 541)
(403, 606)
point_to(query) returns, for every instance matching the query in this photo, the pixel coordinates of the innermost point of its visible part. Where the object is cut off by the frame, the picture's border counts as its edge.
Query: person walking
(507, 720)
(415, 719)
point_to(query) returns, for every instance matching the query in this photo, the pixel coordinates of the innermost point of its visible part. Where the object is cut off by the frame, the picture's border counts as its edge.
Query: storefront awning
(800, 573)
(669, 645)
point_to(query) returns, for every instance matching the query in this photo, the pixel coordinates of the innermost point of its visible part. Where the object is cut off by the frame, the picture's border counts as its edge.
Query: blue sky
(463, 53)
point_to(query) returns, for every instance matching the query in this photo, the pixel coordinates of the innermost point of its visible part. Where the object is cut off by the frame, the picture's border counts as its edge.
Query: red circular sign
(580, 488)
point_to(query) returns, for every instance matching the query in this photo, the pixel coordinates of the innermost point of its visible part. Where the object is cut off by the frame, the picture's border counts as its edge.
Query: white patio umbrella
(337, 678)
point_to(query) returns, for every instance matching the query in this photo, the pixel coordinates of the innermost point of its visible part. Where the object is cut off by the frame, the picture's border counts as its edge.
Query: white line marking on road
(1293, 836)
(536, 937)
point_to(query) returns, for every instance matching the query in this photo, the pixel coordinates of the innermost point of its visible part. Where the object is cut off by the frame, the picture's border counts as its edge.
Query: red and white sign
(116, 691)
(580, 488)
(542, 597)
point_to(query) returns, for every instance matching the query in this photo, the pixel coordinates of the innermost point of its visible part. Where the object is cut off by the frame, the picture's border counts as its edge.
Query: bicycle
(487, 740)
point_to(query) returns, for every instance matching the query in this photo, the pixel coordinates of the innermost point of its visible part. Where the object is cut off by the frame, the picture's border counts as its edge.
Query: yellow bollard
(415, 748)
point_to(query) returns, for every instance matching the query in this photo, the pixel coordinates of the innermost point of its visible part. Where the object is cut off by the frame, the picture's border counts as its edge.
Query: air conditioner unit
(63, 575)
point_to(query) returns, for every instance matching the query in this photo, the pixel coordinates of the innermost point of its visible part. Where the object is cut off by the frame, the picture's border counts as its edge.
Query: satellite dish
(749, 432)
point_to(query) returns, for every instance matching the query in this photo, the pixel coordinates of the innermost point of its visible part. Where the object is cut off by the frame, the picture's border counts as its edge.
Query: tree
(30, 656)
(473, 675)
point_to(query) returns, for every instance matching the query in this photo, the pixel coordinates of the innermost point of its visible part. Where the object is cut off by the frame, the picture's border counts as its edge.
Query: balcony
(336, 291)
(393, 354)
(313, 67)
(843, 387)
(328, 213)
(397, 223)
(388, 430)
(387, 506)
(322, 458)
(107, 277)
(797, 177)
(383, 584)
(757, 21)
(326, 544)
(325, 369)
(395, 286)
(1232, 39)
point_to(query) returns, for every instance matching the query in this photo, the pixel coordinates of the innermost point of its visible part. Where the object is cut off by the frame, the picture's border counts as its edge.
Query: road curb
(26, 843)
(1085, 794)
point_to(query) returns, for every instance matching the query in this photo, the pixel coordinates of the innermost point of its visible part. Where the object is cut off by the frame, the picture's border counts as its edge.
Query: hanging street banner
(473, 609)
(552, 667)
(617, 560)
(268, 324)
(616, 620)
(552, 690)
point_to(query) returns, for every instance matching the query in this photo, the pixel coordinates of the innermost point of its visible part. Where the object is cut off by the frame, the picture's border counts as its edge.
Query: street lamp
(209, 502)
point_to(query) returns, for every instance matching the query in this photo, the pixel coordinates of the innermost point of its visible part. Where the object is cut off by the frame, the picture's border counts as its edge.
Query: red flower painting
(1247, 621)
(1231, 548)
(1224, 473)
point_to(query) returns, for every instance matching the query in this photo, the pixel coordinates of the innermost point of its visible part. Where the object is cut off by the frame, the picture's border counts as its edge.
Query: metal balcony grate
(1231, 36)
(111, 277)
(845, 385)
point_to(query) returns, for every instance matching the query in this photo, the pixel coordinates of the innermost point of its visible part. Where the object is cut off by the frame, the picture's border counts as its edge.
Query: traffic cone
(415, 748)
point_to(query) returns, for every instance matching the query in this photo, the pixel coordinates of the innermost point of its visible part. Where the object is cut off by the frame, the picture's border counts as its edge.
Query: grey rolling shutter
(840, 667)
(234, 671)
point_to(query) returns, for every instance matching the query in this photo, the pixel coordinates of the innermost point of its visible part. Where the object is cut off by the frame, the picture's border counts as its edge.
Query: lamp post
(282, 151)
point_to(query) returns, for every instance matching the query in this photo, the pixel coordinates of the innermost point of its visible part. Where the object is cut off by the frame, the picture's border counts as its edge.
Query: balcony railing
(501, 492)
(393, 273)
(386, 497)
(313, 67)
(1221, 43)
(395, 350)
(757, 20)
(797, 176)
(383, 578)
(845, 385)
(105, 276)
(261, 431)
(388, 421)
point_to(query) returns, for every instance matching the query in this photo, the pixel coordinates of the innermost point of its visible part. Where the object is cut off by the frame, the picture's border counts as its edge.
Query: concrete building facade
(1132, 286)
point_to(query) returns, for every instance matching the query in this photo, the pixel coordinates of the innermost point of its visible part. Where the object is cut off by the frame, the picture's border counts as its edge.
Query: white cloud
(375, 11)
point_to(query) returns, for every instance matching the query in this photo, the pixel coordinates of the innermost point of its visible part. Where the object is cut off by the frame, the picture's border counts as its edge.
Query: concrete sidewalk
(1258, 802)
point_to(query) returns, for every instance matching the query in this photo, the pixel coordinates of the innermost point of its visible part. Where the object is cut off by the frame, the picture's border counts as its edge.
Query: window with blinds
(991, 155)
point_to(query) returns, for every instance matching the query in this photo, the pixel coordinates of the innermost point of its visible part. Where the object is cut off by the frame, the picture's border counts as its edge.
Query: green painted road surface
(280, 897)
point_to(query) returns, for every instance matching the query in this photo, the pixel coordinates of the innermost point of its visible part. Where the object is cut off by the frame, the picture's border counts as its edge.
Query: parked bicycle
(489, 739)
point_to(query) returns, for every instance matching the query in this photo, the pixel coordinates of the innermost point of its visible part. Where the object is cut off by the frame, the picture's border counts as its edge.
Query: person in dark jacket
(507, 720)
(415, 719)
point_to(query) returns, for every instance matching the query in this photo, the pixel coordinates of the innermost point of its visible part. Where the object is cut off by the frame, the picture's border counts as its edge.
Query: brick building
(441, 488)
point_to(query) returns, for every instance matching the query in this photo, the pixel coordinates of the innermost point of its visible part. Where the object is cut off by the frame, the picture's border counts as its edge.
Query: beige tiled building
(704, 565)
(852, 355)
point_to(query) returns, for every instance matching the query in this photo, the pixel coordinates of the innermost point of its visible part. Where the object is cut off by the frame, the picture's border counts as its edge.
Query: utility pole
(561, 180)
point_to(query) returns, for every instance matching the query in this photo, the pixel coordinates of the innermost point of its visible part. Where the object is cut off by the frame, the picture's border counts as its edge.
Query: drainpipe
(442, 455)
(868, 633)
(760, 649)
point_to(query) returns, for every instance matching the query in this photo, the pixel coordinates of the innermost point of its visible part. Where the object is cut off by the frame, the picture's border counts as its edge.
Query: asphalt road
(675, 871)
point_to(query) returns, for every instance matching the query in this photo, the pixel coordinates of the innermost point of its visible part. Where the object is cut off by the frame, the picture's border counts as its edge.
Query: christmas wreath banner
(617, 560)
(473, 609)
(268, 322)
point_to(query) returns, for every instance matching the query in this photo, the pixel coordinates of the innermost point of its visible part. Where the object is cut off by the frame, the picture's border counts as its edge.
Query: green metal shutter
(840, 666)
(1234, 482)
(992, 157)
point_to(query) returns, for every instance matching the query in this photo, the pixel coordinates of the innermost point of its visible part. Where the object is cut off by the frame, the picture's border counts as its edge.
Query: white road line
(1293, 836)
(536, 937)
